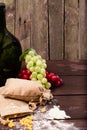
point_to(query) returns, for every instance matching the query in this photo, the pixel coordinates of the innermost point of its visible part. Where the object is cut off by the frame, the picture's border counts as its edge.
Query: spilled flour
(53, 125)
(52, 113)
(51, 119)
(48, 120)
(56, 113)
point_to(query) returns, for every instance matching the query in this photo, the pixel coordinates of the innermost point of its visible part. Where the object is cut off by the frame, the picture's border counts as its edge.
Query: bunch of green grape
(37, 65)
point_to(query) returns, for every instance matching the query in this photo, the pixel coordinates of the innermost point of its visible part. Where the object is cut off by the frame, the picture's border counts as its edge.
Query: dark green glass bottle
(10, 50)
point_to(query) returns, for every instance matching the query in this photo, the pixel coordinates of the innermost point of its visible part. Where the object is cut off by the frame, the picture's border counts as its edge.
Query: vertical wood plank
(22, 22)
(56, 10)
(71, 30)
(83, 28)
(39, 27)
(1, 0)
(56, 29)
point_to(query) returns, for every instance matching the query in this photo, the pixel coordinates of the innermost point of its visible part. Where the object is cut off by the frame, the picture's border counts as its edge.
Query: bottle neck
(2, 20)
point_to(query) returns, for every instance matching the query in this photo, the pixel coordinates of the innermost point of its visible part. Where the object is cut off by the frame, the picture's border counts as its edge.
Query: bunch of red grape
(24, 74)
(53, 79)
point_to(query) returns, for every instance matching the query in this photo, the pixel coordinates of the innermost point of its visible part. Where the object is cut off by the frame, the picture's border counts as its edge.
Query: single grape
(33, 79)
(61, 81)
(44, 80)
(32, 69)
(58, 83)
(37, 69)
(44, 65)
(31, 53)
(27, 58)
(39, 63)
(25, 76)
(57, 77)
(50, 75)
(23, 71)
(48, 85)
(34, 59)
(43, 71)
(34, 74)
(54, 78)
(43, 61)
(39, 76)
(30, 64)
(28, 72)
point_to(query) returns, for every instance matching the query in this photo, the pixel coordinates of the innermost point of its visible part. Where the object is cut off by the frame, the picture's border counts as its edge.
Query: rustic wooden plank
(39, 27)
(10, 14)
(81, 124)
(71, 30)
(72, 85)
(22, 22)
(83, 28)
(75, 106)
(65, 67)
(25, 43)
(56, 15)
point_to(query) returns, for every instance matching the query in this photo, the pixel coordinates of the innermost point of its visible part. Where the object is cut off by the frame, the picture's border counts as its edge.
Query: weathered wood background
(57, 29)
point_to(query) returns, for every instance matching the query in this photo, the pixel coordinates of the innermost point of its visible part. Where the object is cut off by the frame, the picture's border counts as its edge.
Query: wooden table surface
(72, 95)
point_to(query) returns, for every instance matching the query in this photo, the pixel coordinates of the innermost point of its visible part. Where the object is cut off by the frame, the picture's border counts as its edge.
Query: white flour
(46, 121)
(52, 119)
(56, 113)
(53, 125)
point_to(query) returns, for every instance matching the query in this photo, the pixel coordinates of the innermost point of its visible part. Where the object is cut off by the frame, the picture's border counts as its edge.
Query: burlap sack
(30, 91)
(13, 108)
(25, 90)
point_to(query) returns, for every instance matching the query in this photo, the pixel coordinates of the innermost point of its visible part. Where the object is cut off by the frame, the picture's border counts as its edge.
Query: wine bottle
(10, 50)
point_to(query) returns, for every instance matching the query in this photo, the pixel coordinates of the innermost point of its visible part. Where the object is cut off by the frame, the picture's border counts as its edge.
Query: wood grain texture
(55, 29)
(72, 85)
(39, 27)
(67, 68)
(83, 28)
(56, 15)
(71, 30)
(74, 75)
(22, 22)
(75, 106)
(81, 124)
